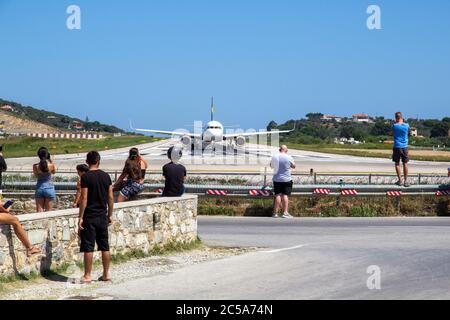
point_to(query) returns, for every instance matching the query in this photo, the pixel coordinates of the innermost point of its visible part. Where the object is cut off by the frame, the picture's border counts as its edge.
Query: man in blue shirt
(401, 131)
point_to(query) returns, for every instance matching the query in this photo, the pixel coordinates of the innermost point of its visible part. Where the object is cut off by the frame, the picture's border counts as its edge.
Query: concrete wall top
(74, 212)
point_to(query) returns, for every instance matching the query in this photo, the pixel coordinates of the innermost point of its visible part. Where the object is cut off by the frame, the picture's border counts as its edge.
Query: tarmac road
(255, 160)
(310, 259)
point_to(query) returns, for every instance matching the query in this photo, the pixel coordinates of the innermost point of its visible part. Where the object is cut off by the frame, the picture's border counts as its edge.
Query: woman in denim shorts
(45, 190)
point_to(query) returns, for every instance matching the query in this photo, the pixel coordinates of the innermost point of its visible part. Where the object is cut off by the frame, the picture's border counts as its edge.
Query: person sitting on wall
(4, 166)
(6, 218)
(131, 181)
(174, 173)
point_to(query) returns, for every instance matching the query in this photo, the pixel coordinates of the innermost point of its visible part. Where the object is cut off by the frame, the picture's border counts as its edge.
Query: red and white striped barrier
(394, 193)
(321, 191)
(349, 192)
(159, 190)
(217, 192)
(441, 193)
(264, 193)
(66, 135)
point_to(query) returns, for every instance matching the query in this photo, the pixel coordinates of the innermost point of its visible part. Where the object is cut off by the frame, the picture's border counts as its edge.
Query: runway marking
(285, 249)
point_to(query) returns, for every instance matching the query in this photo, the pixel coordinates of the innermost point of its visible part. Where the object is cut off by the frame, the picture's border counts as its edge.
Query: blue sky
(158, 62)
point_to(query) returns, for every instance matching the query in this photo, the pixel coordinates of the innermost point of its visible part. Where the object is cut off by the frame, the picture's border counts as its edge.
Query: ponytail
(44, 156)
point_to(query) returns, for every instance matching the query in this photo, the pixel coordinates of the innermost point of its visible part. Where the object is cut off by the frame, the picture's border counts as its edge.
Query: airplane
(212, 133)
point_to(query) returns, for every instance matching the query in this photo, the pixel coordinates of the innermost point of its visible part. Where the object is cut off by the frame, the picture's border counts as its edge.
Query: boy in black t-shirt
(175, 174)
(96, 208)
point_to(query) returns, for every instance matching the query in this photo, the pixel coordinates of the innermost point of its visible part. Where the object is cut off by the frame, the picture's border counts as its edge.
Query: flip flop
(83, 281)
(104, 280)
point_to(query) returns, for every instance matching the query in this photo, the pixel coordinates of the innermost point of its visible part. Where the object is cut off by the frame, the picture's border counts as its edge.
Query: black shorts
(283, 188)
(400, 154)
(95, 231)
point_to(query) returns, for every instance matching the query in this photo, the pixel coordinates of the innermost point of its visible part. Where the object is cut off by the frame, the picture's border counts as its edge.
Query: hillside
(316, 129)
(24, 119)
(22, 125)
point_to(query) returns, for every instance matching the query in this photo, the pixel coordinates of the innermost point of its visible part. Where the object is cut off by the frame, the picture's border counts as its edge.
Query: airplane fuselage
(213, 132)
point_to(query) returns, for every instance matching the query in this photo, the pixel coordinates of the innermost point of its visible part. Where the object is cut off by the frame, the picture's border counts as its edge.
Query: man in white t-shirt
(282, 164)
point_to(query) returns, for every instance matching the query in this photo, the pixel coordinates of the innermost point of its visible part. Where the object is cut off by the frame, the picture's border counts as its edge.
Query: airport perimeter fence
(245, 184)
(263, 178)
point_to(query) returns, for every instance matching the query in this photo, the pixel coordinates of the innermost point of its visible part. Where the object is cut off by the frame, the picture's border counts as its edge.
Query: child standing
(81, 170)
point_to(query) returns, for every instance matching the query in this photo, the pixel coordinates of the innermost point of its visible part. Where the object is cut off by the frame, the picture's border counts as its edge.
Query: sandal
(33, 251)
(104, 280)
(84, 281)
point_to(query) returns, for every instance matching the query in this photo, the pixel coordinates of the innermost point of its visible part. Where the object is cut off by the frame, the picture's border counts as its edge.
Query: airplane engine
(186, 141)
(240, 141)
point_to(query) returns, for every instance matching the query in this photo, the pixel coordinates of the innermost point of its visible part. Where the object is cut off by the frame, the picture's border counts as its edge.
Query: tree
(381, 128)
(347, 131)
(314, 116)
(440, 130)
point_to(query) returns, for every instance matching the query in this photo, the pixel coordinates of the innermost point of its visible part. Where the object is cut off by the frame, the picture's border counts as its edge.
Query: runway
(310, 259)
(255, 159)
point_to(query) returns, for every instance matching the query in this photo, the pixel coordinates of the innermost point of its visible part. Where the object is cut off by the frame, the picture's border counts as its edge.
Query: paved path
(310, 259)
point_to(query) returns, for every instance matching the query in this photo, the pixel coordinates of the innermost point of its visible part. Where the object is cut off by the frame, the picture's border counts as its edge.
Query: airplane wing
(172, 133)
(249, 134)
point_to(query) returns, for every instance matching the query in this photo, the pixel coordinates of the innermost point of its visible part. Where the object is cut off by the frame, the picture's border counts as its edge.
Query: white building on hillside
(361, 117)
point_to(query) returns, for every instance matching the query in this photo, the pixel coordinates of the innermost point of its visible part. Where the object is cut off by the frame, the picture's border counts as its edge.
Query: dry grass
(328, 207)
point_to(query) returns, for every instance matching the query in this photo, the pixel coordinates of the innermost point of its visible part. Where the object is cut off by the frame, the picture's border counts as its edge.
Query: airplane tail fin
(212, 109)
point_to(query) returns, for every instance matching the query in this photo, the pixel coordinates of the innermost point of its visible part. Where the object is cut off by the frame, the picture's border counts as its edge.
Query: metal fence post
(265, 176)
(370, 178)
(115, 176)
(420, 178)
(315, 178)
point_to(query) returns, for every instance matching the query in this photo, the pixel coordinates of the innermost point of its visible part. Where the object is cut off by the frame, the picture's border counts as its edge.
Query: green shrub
(330, 211)
(442, 208)
(362, 211)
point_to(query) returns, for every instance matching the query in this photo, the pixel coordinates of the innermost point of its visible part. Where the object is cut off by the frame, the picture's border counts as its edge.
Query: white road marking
(285, 249)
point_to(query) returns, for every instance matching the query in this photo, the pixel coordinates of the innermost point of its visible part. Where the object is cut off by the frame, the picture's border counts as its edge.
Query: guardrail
(260, 191)
(253, 178)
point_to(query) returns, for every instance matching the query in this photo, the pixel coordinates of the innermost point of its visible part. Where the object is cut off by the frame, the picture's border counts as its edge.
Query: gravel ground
(65, 286)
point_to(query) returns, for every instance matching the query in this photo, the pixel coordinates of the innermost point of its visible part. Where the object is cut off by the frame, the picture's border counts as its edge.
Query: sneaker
(407, 185)
(287, 216)
(275, 215)
(398, 183)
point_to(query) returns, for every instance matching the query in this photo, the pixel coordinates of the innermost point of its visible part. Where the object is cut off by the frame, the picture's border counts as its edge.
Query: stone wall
(26, 203)
(141, 225)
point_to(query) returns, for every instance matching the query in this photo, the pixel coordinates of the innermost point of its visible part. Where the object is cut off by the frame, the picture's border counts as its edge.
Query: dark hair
(133, 169)
(398, 115)
(134, 154)
(82, 168)
(44, 157)
(171, 151)
(92, 158)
